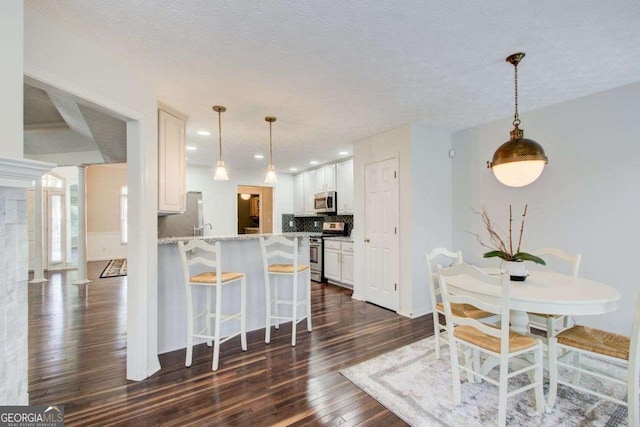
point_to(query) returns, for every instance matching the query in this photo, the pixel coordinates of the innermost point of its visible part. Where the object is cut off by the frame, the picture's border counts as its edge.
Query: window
(123, 215)
(50, 180)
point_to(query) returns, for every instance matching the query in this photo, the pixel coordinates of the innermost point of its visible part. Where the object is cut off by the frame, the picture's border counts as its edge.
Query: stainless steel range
(316, 248)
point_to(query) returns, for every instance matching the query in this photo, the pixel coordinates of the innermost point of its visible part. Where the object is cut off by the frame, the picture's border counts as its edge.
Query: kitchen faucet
(196, 229)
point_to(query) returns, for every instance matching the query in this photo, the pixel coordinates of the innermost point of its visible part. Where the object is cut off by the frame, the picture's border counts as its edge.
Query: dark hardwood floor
(77, 357)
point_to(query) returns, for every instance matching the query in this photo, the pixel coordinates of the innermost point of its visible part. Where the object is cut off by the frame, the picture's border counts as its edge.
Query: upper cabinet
(309, 192)
(326, 178)
(334, 177)
(171, 161)
(298, 194)
(345, 187)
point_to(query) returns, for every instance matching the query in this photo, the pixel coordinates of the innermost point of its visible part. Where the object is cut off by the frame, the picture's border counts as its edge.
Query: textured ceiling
(337, 71)
(54, 123)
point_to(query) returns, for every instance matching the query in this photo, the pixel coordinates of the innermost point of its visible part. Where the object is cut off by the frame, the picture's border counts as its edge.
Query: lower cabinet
(338, 262)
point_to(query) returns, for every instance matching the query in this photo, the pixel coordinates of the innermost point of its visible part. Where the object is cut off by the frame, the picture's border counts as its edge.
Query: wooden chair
(202, 267)
(280, 260)
(552, 323)
(441, 255)
(567, 347)
(498, 344)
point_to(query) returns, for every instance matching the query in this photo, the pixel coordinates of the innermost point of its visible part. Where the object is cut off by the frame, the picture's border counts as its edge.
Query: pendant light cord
(516, 117)
(219, 137)
(270, 145)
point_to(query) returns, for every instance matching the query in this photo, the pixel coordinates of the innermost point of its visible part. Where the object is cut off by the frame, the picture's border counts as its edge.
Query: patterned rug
(416, 386)
(115, 268)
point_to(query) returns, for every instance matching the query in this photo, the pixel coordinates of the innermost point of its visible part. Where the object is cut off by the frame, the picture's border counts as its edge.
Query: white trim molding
(20, 173)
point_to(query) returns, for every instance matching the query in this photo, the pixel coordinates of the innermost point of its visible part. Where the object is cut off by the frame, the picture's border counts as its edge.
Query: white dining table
(545, 292)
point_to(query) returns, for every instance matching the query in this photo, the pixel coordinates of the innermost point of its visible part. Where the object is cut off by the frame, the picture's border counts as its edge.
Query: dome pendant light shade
(221, 171)
(271, 170)
(519, 161)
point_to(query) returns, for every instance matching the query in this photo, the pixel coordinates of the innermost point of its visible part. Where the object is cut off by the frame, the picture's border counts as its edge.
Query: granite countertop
(340, 238)
(170, 240)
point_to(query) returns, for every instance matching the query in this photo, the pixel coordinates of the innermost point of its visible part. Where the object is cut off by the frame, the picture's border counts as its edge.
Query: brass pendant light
(271, 169)
(519, 161)
(221, 171)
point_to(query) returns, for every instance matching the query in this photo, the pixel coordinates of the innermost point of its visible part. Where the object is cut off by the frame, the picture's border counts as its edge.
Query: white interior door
(381, 233)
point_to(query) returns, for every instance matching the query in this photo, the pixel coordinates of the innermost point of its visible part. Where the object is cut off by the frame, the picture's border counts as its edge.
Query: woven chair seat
(597, 341)
(212, 278)
(472, 335)
(465, 310)
(286, 268)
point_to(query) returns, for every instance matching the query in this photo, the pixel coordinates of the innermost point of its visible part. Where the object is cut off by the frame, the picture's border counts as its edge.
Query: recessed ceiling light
(259, 156)
(343, 153)
(293, 169)
(191, 148)
(313, 162)
(204, 132)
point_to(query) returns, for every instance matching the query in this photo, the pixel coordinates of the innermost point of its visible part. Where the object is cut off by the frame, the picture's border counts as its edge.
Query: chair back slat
(279, 249)
(198, 253)
(439, 255)
(573, 260)
(492, 295)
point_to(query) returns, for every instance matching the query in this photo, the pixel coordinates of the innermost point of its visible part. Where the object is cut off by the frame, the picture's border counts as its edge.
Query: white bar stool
(195, 255)
(280, 259)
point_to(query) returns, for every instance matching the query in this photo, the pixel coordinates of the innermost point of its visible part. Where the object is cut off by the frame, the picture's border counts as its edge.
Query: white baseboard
(105, 245)
(357, 297)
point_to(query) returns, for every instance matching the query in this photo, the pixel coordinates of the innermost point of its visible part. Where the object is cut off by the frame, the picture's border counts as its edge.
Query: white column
(82, 228)
(38, 268)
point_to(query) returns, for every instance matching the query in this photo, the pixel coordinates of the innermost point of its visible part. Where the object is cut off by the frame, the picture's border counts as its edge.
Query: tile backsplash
(313, 223)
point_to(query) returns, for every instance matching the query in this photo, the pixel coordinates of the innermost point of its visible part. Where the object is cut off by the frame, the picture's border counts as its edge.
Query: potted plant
(503, 248)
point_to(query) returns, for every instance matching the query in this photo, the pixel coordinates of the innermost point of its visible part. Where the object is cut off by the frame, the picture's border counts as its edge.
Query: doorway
(381, 233)
(255, 209)
(141, 149)
(59, 220)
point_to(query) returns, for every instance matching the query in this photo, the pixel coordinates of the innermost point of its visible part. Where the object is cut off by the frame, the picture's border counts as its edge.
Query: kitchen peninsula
(240, 253)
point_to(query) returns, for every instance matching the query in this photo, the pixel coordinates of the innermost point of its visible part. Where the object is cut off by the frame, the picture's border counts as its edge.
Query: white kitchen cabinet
(332, 260)
(298, 194)
(338, 262)
(326, 178)
(344, 189)
(309, 192)
(346, 265)
(171, 161)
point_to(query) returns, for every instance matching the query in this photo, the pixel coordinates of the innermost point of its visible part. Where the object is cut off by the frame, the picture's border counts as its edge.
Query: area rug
(115, 268)
(416, 386)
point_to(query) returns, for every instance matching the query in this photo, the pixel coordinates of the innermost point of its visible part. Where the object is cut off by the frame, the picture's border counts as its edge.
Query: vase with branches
(501, 246)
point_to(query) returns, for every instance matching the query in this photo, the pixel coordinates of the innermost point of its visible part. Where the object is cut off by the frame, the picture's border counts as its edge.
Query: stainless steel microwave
(325, 202)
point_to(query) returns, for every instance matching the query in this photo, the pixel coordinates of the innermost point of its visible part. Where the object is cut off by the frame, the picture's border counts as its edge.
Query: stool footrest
(289, 302)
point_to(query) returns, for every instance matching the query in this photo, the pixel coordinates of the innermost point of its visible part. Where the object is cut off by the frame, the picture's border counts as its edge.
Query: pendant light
(519, 161)
(271, 169)
(221, 172)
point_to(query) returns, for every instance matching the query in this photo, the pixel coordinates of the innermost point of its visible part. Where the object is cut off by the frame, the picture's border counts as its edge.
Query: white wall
(586, 201)
(61, 60)
(219, 198)
(11, 49)
(431, 205)
(14, 310)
